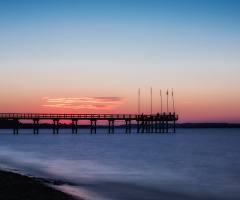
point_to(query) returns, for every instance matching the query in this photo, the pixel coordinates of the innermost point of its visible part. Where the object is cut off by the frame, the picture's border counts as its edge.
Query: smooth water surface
(191, 164)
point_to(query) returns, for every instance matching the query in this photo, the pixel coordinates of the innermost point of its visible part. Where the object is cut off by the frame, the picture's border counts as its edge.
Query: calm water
(191, 164)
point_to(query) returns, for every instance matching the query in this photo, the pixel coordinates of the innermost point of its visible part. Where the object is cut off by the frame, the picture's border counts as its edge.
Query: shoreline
(17, 186)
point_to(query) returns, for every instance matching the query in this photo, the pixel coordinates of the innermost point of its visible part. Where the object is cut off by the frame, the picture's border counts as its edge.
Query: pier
(145, 123)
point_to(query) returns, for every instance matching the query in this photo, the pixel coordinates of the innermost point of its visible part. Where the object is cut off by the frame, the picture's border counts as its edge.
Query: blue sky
(90, 48)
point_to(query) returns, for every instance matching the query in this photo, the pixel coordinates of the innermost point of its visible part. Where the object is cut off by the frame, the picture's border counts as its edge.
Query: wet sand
(21, 187)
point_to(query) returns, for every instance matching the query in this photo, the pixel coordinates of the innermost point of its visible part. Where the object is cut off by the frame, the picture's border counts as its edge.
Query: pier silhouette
(145, 123)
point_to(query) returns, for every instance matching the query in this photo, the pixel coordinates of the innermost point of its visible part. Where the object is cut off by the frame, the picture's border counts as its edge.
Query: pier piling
(167, 126)
(55, 126)
(15, 126)
(93, 125)
(35, 126)
(111, 126)
(74, 126)
(128, 126)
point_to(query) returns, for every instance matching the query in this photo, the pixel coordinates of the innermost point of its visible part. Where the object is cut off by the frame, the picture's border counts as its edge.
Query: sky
(92, 56)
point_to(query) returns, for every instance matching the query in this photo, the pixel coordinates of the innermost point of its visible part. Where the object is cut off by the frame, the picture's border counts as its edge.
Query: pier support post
(95, 126)
(145, 125)
(137, 126)
(113, 126)
(160, 126)
(111, 123)
(151, 126)
(94, 123)
(163, 126)
(167, 126)
(15, 126)
(91, 126)
(128, 126)
(35, 125)
(174, 120)
(74, 126)
(174, 126)
(55, 126)
(141, 126)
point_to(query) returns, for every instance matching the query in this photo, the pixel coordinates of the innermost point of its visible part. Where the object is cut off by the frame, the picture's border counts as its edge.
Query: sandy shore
(16, 186)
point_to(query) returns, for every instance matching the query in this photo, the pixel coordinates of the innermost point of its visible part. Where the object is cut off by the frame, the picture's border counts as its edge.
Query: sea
(194, 164)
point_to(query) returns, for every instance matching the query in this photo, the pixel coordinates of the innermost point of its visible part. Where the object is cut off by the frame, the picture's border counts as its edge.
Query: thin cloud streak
(97, 103)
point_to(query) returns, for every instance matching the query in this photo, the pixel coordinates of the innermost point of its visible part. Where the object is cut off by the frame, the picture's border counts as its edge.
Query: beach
(21, 187)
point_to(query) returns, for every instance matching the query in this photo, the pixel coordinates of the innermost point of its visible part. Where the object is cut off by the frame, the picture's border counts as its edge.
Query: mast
(151, 99)
(161, 100)
(173, 102)
(139, 101)
(167, 101)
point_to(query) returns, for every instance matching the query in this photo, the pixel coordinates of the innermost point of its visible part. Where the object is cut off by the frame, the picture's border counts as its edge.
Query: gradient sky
(86, 56)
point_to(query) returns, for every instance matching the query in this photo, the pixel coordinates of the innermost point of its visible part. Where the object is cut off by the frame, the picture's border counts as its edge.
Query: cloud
(97, 103)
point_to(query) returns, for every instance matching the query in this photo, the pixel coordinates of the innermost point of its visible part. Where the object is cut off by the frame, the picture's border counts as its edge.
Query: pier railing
(62, 116)
(88, 116)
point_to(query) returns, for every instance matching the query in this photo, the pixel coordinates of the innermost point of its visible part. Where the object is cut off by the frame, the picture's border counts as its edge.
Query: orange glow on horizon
(190, 108)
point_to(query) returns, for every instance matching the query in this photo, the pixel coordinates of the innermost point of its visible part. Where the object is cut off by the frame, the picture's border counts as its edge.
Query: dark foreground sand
(20, 187)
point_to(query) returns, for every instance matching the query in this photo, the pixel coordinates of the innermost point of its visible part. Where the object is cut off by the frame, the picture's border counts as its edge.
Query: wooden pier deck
(148, 123)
